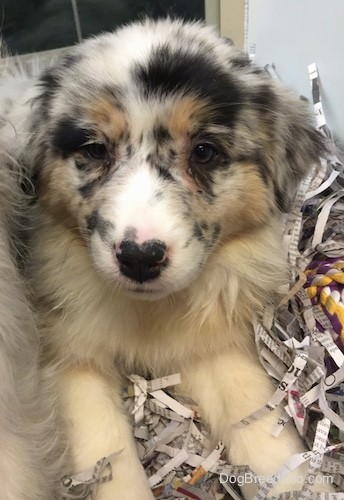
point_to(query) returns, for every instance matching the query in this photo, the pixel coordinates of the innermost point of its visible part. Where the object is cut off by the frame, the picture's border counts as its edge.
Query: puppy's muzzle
(141, 262)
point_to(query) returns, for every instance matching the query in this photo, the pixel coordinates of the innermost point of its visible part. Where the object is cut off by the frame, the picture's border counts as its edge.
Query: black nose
(141, 262)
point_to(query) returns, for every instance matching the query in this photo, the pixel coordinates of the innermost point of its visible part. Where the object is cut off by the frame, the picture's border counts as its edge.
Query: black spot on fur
(169, 72)
(86, 190)
(205, 233)
(92, 221)
(49, 84)
(198, 232)
(263, 172)
(172, 153)
(95, 222)
(216, 232)
(103, 227)
(161, 134)
(83, 165)
(50, 80)
(204, 178)
(68, 137)
(71, 60)
(164, 173)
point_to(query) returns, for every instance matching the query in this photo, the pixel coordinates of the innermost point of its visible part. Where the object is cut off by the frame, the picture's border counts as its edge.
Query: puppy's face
(160, 143)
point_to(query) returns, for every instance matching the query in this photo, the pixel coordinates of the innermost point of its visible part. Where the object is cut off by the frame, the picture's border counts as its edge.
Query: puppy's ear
(299, 145)
(275, 128)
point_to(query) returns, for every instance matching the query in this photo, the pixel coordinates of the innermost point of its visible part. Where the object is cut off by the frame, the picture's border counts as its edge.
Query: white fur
(130, 203)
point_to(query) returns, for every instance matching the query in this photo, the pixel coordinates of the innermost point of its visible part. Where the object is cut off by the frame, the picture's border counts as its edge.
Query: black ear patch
(68, 137)
(176, 71)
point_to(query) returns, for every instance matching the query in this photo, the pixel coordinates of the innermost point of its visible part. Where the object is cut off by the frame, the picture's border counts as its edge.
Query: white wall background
(294, 33)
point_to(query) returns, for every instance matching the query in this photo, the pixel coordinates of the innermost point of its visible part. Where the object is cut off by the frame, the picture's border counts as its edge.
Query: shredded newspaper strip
(84, 484)
(300, 343)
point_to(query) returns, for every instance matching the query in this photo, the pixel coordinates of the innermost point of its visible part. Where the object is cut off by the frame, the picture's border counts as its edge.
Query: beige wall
(232, 21)
(229, 17)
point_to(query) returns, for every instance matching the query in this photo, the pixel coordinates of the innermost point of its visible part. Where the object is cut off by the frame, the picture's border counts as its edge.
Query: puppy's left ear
(299, 146)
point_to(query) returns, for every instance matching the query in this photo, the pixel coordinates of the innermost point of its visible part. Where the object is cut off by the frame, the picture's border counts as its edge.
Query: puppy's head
(161, 143)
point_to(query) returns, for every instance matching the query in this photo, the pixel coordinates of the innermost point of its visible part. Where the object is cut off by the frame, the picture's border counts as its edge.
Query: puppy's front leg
(228, 388)
(96, 427)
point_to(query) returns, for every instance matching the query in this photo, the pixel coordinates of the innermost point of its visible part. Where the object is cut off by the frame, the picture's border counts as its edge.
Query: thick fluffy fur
(28, 447)
(161, 138)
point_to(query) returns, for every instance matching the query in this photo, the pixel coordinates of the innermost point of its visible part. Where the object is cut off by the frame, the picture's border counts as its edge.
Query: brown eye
(95, 151)
(204, 154)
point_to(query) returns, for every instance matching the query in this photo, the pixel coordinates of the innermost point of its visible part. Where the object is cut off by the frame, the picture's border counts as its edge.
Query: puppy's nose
(141, 262)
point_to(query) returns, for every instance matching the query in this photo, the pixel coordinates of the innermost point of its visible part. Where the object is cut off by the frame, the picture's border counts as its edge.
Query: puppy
(165, 161)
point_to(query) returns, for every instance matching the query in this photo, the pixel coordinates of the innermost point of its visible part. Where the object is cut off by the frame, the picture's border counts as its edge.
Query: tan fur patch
(186, 113)
(247, 203)
(185, 117)
(58, 195)
(109, 117)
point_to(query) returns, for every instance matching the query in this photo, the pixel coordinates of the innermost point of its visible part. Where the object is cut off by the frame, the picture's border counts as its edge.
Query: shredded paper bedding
(301, 345)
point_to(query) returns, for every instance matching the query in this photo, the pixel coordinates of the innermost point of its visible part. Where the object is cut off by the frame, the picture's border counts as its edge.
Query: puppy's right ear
(300, 146)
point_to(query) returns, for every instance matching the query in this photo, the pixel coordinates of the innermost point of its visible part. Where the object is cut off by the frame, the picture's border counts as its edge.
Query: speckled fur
(150, 94)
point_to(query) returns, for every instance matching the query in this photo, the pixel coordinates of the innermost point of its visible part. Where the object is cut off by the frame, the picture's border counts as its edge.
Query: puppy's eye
(204, 154)
(95, 151)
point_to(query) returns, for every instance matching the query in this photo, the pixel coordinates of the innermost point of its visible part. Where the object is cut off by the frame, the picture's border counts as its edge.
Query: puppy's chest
(136, 342)
(150, 345)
